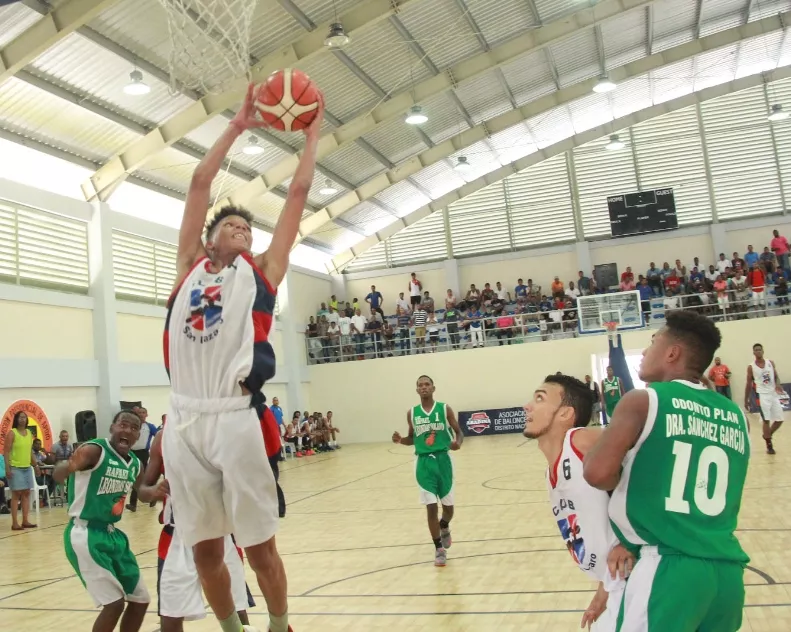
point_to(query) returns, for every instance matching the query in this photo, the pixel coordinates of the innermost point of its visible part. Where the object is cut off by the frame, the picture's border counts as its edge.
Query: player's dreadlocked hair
(576, 394)
(697, 333)
(227, 211)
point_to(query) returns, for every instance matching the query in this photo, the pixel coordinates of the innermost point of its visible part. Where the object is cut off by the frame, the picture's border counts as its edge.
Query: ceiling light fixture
(462, 164)
(604, 84)
(777, 113)
(415, 116)
(328, 188)
(615, 143)
(136, 86)
(252, 148)
(337, 37)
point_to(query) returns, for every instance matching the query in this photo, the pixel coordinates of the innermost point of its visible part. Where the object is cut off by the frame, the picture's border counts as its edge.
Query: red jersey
(719, 374)
(271, 432)
(757, 280)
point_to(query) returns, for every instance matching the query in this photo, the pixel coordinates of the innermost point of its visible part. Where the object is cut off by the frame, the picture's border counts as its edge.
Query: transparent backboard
(620, 307)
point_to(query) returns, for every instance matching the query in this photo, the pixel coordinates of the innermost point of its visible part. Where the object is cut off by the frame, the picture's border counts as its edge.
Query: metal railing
(521, 328)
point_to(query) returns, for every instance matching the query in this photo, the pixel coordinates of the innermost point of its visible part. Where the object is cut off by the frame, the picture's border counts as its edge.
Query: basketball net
(612, 332)
(210, 42)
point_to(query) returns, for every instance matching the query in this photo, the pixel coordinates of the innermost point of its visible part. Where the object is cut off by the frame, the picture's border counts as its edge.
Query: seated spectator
(741, 293)
(681, 272)
(402, 303)
(375, 300)
(781, 293)
(758, 285)
(627, 275)
(306, 435)
(520, 292)
(665, 272)
(41, 457)
(712, 274)
(778, 274)
(432, 327)
(403, 330)
(654, 278)
(696, 275)
(722, 264)
(584, 284)
(627, 282)
(671, 298)
(557, 288)
(345, 325)
(487, 296)
(473, 295)
(450, 299)
(388, 334)
(572, 292)
(374, 328)
(322, 311)
(501, 294)
(672, 282)
(533, 292)
(738, 263)
(700, 290)
(333, 431)
(750, 257)
(452, 326)
(62, 450)
(545, 305)
(505, 326)
(359, 325)
(428, 302)
(334, 303)
(348, 311)
(768, 260)
(473, 321)
(419, 320)
(334, 336)
(570, 317)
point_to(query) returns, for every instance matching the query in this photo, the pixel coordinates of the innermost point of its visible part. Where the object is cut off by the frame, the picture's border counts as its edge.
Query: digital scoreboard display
(642, 212)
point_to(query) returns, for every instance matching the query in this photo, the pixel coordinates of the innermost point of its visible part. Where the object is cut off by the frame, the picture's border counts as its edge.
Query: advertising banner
(492, 421)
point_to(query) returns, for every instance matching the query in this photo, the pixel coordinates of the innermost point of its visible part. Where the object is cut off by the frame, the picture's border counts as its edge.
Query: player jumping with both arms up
(557, 416)
(218, 358)
(101, 474)
(430, 424)
(675, 456)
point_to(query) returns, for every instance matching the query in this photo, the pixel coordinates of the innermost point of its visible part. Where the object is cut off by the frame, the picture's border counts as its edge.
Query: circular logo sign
(37, 422)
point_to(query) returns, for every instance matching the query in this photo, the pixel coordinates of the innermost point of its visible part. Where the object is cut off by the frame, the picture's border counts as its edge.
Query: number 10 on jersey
(712, 462)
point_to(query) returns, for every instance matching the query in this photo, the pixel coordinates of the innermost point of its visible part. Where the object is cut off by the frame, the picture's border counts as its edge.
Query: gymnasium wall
(757, 237)
(498, 377)
(307, 293)
(639, 252)
(390, 285)
(542, 269)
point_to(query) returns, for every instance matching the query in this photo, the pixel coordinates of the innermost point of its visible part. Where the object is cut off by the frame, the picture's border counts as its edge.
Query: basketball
(288, 100)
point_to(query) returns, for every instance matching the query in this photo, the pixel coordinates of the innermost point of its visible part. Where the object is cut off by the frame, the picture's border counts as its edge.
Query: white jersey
(217, 330)
(581, 513)
(764, 377)
(414, 288)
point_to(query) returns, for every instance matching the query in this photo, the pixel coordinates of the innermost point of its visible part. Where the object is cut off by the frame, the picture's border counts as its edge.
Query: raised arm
(274, 262)
(410, 437)
(148, 488)
(196, 209)
(84, 458)
(453, 423)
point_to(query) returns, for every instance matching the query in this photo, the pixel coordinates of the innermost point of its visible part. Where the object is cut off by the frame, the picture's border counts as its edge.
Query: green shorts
(434, 473)
(682, 594)
(102, 559)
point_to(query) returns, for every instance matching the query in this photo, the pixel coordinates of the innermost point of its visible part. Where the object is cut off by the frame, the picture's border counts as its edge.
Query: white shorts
(608, 620)
(758, 298)
(220, 478)
(723, 301)
(771, 408)
(178, 585)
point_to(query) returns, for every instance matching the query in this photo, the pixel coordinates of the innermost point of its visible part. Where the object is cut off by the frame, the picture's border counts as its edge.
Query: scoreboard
(642, 212)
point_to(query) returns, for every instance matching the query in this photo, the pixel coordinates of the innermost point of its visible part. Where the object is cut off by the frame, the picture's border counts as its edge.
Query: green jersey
(432, 432)
(99, 494)
(681, 484)
(612, 394)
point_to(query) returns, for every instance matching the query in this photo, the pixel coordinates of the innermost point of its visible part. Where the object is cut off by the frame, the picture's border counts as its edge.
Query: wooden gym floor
(358, 555)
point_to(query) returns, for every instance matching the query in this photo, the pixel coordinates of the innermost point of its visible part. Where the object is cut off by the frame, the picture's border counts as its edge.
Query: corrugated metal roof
(444, 118)
(353, 164)
(529, 77)
(624, 38)
(271, 29)
(325, 10)
(501, 20)
(674, 23)
(14, 19)
(715, 67)
(759, 54)
(483, 97)
(365, 214)
(266, 208)
(335, 238)
(513, 143)
(576, 58)
(396, 140)
(590, 111)
(439, 178)
(551, 127)
(631, 96)
(722, 14)
(766, 8)
(403, 197)
(672, 81)
(372, 259)
(551, 10)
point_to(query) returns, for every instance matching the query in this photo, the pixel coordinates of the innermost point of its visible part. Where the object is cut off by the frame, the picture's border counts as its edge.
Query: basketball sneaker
(770, 449)
(444, 534)
(441, 557)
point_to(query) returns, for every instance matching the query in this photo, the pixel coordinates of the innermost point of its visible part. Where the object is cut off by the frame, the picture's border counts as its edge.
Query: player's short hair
(699, 334)
(576, 394)
(227, 211)
(126, 412)
(757, 344)
(427, 377)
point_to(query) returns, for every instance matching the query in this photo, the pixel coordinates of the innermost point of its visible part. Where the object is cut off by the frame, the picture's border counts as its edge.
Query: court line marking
(36, 530)
(415, 508)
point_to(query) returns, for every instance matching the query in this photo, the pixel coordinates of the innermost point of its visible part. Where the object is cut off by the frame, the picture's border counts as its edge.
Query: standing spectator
(374, 327)
(721, 288)
(345, 325)
(419, 319)
(141, 449)
(720, 374)
(584, 284)
(758, 286)
(428, 302)
(473, 295)
(334, 337)
(358, 331)
(473, 321)
(323, 328)
(401, 303)
(487, 296)
(432, 327)
(62, 450)
(277, 412)
(348, 311)
(781, 293)
(723, 264)
(645, 297)
(654, 277)
(374, 299)
(741, 293)
(505, 327)
(415, 289)
(333, 303)
(452, 325)
(388, 335)
(628, 275)
(333, 317)
(779, 246)
(738, 263)
(696, 263)
(713, 274)
(355, 304)
(681, 271)
(502, 294)
(403, 330)
(520, 292)
(572, 292)
(533, 292)
(322, 311)
(557, 288)
(768, 260)
(19, 469)
(314, 343)
(450, 299)
(750, 257)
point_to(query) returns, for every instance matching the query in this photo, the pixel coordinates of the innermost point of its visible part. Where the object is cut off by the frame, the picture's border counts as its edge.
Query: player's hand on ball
(247, 117)
(620, 562)
(396, 437)
(454, 445)
(597, 606)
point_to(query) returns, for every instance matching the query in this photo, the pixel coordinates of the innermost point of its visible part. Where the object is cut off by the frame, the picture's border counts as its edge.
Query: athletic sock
(437, 543)
(443, 524)
(232, 624)
(278, 624)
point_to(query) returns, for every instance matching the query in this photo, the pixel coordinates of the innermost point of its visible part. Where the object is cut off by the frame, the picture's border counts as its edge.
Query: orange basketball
(288, 100)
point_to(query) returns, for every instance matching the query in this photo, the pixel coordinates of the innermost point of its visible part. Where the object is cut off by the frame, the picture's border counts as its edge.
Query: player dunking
(762, 376)
(430, 425)
(676, 457)
(218, 357)
(556, 416)
(102, 473)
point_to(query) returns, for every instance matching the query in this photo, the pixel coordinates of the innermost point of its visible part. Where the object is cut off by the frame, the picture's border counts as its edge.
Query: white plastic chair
(34, 502)
(286, 449)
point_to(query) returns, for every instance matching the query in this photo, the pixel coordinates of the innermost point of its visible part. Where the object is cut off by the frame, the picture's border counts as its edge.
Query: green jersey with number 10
(681, 484)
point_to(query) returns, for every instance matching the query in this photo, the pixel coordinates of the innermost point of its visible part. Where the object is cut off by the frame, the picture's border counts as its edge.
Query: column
(105, 334)
(293, 349)
(584, 260)
(338, 285)
(719, 241)
(451, 278)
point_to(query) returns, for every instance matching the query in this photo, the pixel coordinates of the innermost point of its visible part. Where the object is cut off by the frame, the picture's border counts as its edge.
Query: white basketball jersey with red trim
(580, 512)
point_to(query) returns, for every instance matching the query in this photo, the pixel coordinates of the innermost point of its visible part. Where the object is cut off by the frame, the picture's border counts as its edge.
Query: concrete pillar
(293, 349)
(451, 279)
(338, 282)
(584, 259)
(105, 334)
(719, 241)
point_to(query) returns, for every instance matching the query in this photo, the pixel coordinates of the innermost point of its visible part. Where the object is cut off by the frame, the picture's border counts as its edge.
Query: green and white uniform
(433, 469)
(678, 503)
(98, 552)
(612, 394)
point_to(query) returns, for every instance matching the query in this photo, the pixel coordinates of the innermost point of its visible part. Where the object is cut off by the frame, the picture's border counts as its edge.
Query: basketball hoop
(210, 42)
(612, 331)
